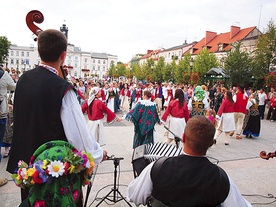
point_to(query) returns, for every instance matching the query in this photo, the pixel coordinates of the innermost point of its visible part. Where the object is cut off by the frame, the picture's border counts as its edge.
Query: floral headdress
(64, 161)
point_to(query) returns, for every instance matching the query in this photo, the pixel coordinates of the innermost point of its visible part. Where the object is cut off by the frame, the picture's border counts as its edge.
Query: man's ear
(183, 137)
(63, 56)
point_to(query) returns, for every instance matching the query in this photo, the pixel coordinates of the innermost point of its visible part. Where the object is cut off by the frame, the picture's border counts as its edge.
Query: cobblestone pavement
(255, 177)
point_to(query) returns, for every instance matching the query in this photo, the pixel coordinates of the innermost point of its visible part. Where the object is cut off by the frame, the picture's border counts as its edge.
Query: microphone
(176, 138)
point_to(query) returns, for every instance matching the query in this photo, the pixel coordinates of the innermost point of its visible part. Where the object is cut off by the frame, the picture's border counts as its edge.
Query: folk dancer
(125, 98)
(158, 98)
(144, 117)
(252, 123)
(198, 103)
(96, 110)
(178, 114)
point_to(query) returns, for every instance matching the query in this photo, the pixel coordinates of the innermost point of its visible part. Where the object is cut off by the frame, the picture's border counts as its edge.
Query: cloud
(126, 27)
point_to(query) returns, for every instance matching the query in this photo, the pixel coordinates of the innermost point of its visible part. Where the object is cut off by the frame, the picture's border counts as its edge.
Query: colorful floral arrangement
(44, 171)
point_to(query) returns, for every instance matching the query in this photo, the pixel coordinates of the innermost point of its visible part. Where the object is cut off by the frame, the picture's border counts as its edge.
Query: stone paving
(255, 177)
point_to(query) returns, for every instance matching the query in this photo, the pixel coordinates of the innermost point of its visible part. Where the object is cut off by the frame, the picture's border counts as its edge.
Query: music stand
(115, 189)
(176, 138)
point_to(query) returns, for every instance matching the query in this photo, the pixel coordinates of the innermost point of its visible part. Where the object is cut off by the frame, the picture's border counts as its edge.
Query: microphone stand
(115, 189)
(176, 138)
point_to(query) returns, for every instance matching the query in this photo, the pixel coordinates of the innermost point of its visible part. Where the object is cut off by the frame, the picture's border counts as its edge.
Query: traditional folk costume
(96, 110)
(59, 171)
(198, 104)
(177, 119)
(252, 123)
(158, 99)
(273, 106)
(144, 117)
(240, 110)
(112, 99)
(168, 96)
(136, 97)
(226, 122)
(125, 97)
(187, 176)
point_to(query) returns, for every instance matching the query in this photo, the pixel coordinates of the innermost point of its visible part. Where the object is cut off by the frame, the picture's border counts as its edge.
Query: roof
(217, 72)
(213, 40)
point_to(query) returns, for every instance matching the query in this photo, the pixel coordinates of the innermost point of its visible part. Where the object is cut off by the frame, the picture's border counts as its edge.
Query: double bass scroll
(37, 17)
(268, 155)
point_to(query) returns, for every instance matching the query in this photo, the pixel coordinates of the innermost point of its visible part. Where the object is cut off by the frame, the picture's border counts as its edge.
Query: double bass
(37, 17)
(266, 156)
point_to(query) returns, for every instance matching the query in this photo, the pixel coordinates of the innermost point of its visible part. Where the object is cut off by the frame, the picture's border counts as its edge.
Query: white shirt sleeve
(234, 197)
(140, 188)
(75, 128)
(235, 98)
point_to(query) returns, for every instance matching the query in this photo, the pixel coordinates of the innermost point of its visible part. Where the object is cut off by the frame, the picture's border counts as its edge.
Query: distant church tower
(64, 30)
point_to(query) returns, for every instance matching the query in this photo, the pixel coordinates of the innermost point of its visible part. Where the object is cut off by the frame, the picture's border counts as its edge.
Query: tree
(265, 52)
(204, 61)
(157, 70)
(238, 65)
(167, 72)
(182, 71)
(4, 49)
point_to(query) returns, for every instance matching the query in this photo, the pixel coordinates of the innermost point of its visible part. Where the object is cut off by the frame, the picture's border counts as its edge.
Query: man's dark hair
(199, 133)
(51, 43)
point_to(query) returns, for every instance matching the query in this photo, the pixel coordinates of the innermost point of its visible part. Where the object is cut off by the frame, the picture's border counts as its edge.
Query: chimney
(234, 30)
(209, 36)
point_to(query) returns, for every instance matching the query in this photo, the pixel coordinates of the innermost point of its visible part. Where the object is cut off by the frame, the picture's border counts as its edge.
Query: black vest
(37, 104)
(187, 181)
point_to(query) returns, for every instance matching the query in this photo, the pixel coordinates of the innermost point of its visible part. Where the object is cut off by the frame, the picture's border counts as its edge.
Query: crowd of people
(55, 108)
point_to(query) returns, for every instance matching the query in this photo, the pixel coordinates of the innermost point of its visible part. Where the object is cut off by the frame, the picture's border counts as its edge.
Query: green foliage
(238, 65)
(203, 62)
(4, 49)
(265, 52)
(167, 73)
(157, 70)
(138, 72)
(183, 69)
(270, 79)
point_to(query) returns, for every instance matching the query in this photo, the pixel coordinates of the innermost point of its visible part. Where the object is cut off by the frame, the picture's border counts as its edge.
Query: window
(93, 67)
(11, 61)
(22, 62)
(17, 53)
(85, 60)
(76, 65)
(93, 60)
(75, 73)
(11, 53)
(22, 54)
(220, 47)
(17, 61)
(99, 67)
(103, 61)
(28, 54)
(99, 61)
(69, 57)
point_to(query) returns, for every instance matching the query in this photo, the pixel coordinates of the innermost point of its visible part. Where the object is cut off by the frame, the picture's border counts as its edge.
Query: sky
(128, 27)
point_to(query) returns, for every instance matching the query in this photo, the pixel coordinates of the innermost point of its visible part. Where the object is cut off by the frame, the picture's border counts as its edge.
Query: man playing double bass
(46, 107)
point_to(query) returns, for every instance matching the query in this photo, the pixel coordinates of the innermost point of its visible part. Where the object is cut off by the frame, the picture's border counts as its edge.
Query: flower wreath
(44, 171)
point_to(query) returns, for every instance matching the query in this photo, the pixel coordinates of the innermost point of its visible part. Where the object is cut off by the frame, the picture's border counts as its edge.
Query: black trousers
(261, 110)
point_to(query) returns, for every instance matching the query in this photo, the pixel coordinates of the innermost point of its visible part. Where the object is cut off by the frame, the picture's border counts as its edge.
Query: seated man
(189, 179)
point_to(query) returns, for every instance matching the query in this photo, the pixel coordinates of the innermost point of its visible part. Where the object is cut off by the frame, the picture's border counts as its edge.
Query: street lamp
(191, 68)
